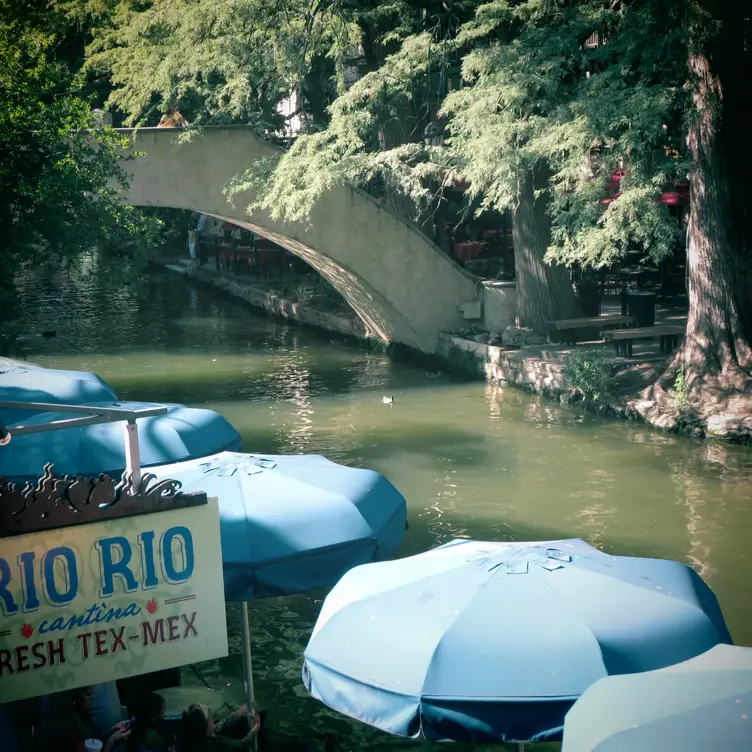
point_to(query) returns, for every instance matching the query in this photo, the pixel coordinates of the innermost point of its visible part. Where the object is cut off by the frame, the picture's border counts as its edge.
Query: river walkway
(268, 297)
(535, 368)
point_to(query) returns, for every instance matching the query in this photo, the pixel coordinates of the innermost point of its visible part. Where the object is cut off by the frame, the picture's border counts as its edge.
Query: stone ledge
(507, 367)
(269, 302)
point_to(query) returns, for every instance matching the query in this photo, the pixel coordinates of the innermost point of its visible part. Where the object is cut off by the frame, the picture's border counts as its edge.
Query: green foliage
(236, 61)
(227, 62)
(534, 95)
(57, 180)
(375, 136)
(624, 106)
(590, 371)
(464, 360)
(680, 393)
(221, 61)
(537, 94)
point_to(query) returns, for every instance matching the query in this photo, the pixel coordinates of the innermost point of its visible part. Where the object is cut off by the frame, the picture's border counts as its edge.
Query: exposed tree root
(714, 403)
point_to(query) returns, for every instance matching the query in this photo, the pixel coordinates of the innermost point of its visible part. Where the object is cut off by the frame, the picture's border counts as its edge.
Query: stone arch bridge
(400, 284)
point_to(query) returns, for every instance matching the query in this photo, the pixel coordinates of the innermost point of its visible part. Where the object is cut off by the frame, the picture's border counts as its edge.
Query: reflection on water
(472, 460)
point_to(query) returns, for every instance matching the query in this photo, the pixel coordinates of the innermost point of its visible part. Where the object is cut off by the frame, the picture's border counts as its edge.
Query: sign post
(90, 603)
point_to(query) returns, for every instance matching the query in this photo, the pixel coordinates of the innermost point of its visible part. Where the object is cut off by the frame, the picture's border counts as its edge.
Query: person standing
(192, 240)
(105, 710)
(173, 119)
(201, 229)
(216, 232)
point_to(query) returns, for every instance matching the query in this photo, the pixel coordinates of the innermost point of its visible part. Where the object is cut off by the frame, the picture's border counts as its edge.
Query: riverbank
(269, 297)
(535, 368)
(541, 369)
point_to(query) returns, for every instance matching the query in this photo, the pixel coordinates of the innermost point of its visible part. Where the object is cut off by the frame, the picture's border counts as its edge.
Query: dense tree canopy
(539, 102)
(57, 180)
(236, 61)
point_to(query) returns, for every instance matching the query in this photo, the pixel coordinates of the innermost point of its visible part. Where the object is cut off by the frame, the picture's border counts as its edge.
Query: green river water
(471, 459)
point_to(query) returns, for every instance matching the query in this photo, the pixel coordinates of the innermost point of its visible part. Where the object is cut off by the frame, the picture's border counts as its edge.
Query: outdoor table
(639, 275)
(623, 338)
(569, 328)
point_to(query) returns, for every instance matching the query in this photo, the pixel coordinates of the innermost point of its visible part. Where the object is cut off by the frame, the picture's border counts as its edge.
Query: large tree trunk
(716, 356)
(544, 292)
(718, 330)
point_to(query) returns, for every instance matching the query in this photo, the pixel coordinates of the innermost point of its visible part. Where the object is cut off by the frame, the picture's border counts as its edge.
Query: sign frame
(125, 586)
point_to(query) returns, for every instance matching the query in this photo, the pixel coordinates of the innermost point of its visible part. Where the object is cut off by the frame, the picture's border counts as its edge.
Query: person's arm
(252, 721)
(229, 721)
(115, 738)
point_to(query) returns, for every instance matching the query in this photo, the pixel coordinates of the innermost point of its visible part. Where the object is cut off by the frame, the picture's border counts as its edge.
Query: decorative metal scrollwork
(55, 502)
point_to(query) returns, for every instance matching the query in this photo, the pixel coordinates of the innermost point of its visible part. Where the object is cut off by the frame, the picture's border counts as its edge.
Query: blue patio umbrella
(293, 523)
(289, 524)
(701, 704)
(183, 433)
(35, 384)
(479, 641)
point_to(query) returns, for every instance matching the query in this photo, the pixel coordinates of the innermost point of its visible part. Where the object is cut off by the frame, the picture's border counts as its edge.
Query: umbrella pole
(245, 629)
(132, 454)
(520, 746)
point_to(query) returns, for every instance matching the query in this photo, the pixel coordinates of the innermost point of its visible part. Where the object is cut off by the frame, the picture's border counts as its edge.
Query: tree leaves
(224, 62)
(58, 180)
(375, 136)
(582, 86)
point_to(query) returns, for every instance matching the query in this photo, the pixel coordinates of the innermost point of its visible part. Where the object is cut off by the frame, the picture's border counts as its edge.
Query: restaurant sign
(91, 603)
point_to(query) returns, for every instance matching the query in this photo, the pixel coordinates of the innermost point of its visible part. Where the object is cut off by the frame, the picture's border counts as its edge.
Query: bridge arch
(399, 283)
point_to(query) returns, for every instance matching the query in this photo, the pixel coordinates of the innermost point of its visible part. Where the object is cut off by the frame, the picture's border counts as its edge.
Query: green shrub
(680, 393)
(590, 371)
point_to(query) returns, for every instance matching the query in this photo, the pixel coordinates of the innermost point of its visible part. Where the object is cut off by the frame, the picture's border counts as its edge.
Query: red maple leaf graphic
(152, 606)
(27, 630)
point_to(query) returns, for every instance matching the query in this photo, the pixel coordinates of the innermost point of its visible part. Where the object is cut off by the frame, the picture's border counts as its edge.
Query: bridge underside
(399, 283)
(375, 312)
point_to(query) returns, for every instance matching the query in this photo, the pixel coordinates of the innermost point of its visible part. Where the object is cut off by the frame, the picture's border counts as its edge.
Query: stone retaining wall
(497, 364)
(503, 366)
(531, 368)
(271, 303)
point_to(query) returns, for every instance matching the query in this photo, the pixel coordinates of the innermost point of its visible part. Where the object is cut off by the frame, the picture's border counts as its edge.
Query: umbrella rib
(494, 573)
